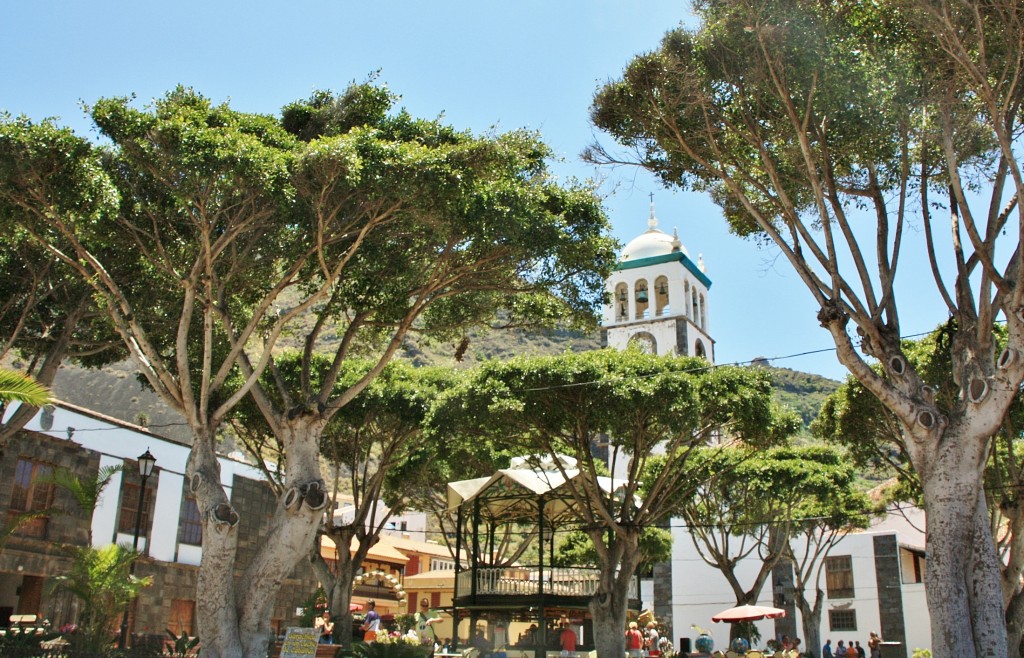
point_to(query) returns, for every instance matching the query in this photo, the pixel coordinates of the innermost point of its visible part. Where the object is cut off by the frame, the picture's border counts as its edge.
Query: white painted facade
(700, 591)
(659, 297)
(409, 524)
(118, 442)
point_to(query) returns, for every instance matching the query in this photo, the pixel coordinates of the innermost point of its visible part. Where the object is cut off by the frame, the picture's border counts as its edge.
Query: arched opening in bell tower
(643, 301)
(661, 299)
(621, 302)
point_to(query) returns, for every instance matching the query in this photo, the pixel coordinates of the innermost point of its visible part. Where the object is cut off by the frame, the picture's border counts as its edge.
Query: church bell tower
(659, 297)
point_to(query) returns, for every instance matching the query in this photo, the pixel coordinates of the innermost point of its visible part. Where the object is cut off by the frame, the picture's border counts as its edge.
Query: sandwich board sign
(300, 642)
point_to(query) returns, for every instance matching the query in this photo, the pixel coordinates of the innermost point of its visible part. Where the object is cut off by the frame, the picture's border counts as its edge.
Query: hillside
(802, 391)
(116, 391)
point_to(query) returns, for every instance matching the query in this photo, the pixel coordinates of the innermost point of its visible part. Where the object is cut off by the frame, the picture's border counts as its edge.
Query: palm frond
(86, 492)
(15, 522)
(17, 387)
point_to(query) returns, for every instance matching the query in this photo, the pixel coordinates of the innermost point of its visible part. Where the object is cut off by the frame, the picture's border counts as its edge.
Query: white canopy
(513, 492)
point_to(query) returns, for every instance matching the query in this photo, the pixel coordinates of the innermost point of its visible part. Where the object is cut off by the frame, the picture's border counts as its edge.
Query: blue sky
(481, 63)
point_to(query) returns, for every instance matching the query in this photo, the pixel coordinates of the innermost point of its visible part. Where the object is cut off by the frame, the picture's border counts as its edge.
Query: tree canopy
(206, 233)
(826, 129)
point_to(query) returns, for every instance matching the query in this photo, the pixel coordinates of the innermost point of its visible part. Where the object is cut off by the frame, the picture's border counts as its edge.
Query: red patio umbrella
(749, 613)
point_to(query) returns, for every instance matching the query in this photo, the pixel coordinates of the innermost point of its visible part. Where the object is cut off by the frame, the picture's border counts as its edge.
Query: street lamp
(146, 462)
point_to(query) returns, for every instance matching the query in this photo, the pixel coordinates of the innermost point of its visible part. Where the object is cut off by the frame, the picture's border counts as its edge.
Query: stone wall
(152, 612)
(256, 504)
(890, 591)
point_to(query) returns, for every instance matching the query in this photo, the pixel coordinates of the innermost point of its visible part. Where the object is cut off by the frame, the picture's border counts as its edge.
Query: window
(129, 508)
(190, 530)
(30, 495)
(842, 620)
(839, 577)
(183, 613)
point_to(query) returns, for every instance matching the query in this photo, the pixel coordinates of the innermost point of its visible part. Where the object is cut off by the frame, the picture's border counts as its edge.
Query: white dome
(653, 242)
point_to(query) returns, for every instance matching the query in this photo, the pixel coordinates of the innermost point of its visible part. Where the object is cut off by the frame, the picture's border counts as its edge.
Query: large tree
(47, 313)
(652, 411)
(854, 418)
(345, 223)
(826, 128)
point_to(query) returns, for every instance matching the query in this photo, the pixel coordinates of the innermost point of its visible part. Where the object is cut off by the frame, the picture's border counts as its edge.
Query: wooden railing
(558, 581)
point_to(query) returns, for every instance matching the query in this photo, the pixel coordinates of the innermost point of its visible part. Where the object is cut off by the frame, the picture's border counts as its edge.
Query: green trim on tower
(667, 258)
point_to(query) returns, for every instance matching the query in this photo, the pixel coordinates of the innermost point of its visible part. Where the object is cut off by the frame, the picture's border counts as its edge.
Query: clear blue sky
(482, 63)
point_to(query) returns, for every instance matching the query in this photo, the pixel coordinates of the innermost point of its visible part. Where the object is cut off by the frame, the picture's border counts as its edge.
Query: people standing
(326, 626)
(371, 625)
(567, 639)
(424, 624)
(634, 641)
(840, 649)
(651, 641)
(875, 645)
(860, 650)
(826, 651)
(851, 651)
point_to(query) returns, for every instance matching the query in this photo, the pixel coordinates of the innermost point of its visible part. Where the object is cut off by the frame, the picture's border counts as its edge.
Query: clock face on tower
(645, 342)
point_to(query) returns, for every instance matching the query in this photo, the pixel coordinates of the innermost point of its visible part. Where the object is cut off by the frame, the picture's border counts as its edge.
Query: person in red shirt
(634, 641)
(567, 638)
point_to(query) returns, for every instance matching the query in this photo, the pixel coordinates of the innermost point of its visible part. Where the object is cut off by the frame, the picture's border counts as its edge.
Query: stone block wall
(256, 504)
(890, 591)
(43, 556)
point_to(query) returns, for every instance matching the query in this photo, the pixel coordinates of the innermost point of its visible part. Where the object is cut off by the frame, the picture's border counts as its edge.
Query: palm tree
(16, 387)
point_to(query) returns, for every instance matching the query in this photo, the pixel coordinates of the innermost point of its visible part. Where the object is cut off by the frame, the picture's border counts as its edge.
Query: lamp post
(146, 463)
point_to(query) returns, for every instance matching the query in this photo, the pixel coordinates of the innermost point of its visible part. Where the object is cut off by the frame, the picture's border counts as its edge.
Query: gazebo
(507, 525)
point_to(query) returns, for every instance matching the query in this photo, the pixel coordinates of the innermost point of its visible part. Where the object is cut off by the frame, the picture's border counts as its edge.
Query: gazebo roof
(511, 493)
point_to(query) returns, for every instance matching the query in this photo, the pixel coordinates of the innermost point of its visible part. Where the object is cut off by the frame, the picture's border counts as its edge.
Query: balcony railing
(525, 581)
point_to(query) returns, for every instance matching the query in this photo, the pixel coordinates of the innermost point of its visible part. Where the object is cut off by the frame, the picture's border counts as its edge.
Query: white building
(659, 297)
(170, 528)
(873, 582)
(660, 301)
(410, 523)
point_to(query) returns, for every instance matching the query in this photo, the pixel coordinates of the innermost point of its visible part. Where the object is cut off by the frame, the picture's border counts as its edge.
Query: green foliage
(635, 403)
(801, 391)
(87, 492)
(193, 219)
(182, 646)
(313, 607)
(16, 387)
(101, 580)
(20, 641)
(577, 549)
(744, 490)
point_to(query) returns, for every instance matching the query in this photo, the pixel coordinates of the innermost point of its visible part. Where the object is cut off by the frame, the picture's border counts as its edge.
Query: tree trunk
(609, 615)
(234, 619)
(811, 622)
(1015, 625)
(1013, 596)
(340, 592)
(962, 576)
(216, 615)
(609, 605)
